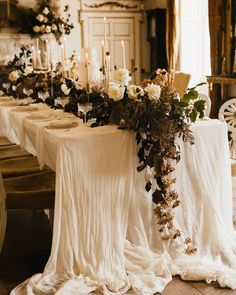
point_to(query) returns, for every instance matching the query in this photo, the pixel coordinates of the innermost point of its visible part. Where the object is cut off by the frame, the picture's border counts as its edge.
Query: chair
(34, 191)
(5, 142)
(227, 113)
(12, 151)
(19, 166)
(180, 82)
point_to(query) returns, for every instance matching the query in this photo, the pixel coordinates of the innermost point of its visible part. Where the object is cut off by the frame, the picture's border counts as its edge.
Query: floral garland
(153, 110)
(111, 4)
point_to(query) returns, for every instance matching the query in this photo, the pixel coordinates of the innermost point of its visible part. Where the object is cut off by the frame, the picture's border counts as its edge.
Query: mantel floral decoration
(43, 20)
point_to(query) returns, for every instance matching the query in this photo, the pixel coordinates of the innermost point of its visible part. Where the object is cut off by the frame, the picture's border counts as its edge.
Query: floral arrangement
(43, 20)
(157, 115)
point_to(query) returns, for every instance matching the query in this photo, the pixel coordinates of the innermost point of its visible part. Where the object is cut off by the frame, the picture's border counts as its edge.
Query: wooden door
(118, 29)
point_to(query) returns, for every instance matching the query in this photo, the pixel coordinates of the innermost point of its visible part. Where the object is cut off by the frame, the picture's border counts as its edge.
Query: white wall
(27, 3)
(74, 39)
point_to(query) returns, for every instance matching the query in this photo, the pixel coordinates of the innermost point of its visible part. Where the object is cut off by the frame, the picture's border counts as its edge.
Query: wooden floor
(27, 248)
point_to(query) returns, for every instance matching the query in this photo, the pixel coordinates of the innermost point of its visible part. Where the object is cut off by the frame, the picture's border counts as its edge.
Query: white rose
(48, 29)
(65, 89)
(13, 87)
(134, 92)
(42, 29)
(122, 76)
(45, 10)
(54, 27)
(13, 76)
(153, 91)
(36, 29)
(116, 92)
(40, 17)
(28, 70)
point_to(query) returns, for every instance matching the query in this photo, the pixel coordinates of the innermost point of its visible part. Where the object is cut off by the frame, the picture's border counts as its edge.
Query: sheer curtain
(195, 41)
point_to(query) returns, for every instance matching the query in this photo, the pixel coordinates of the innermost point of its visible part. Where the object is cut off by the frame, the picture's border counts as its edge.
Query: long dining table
(105, 234)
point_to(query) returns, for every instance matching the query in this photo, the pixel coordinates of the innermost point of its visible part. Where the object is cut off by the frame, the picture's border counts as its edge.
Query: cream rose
(116, 92)
(153, 91)
(48, 29)
(36, 29)
(134, 92)
(28, 70)
(65, 89)
(122, 76)
(40, 17)
(54, 27)
(13, 76)
(45, 10)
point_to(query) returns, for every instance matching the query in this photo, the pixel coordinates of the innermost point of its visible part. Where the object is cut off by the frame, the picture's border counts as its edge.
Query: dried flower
(135, 92)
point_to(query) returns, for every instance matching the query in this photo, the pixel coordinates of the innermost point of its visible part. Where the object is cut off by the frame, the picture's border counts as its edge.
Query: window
(195, 41)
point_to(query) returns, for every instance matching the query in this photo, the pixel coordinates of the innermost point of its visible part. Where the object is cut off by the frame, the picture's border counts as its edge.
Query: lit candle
(33, 57)
(37, 44)
(39, 59)
(123, 51)
(64, 46)
(62, 59)
(37, 64)
(105, 34)
(103, 58)
(8, 9)
(87, 66)
(47, 55)
(50, 52)
(108, 69)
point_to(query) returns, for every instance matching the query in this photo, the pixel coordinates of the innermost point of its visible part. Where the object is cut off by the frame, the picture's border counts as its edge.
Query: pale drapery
(172, 33)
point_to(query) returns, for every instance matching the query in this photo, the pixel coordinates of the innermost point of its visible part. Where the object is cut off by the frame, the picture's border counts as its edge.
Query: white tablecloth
(105, 235)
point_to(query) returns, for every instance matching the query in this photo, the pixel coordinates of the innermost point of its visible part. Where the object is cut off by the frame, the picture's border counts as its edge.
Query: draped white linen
(105, 236)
